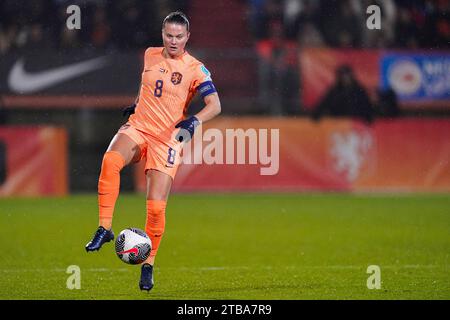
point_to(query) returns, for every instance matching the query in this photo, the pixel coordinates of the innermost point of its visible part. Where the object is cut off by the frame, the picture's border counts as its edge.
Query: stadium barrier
(404, 155)
(33, 161)
(419, 78)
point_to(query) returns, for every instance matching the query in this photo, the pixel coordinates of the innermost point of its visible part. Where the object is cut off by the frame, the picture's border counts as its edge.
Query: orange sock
(156, 220)
(108, 186)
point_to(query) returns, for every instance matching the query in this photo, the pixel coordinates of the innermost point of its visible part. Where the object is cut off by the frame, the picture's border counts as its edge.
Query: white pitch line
(63, 270)
(222, 268)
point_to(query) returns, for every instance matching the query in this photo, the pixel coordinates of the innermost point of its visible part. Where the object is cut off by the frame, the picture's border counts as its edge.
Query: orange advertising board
(34, 161)
(318, 69)
(301, 155)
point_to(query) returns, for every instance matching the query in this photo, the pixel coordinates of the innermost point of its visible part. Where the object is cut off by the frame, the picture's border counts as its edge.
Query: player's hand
(128, 111)
(187, 128)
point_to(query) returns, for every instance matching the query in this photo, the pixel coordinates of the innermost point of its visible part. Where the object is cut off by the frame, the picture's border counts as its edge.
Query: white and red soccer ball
(133, 246)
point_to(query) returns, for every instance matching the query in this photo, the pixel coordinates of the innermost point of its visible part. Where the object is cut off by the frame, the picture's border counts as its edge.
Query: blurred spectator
(125, 24)
(297, 14)
(291, 13)
(70, 39)
(406, 29)
(257, 18)
(386, 104)
(8, 36)
(346, 97)
(100, 31)
(3, 117)
(270, 69)
(262, 15)
(130, 23)
(341, 24)
(437, 24)
(310, 36)
(36, 38)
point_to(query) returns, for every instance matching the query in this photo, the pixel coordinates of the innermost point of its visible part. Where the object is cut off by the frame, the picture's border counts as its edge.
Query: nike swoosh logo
(23, 82)
(132, 250)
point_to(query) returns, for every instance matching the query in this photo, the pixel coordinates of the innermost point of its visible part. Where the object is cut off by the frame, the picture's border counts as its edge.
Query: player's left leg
(123, 150)
(158, 189)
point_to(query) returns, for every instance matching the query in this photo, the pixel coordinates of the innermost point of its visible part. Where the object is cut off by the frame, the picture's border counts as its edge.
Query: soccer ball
(133, 246)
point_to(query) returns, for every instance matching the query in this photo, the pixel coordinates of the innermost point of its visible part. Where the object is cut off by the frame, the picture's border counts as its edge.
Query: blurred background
(357, 109)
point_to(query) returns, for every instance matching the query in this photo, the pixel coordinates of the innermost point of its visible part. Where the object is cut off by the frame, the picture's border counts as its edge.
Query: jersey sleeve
(148, 52)
(202, 81)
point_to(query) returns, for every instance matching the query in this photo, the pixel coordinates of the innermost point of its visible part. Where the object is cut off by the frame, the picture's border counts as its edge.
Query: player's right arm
(129, 110)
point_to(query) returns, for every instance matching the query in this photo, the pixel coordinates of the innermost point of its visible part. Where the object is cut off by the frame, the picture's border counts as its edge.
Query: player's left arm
(209, 94)
(212, 108)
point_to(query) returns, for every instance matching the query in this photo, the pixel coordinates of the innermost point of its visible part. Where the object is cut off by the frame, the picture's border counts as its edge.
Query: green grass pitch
(235, 246)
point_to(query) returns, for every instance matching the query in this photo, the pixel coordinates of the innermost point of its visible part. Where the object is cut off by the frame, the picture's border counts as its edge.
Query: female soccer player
(155, 131)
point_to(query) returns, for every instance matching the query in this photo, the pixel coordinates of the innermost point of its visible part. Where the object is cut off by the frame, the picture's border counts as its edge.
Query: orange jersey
(167, 87)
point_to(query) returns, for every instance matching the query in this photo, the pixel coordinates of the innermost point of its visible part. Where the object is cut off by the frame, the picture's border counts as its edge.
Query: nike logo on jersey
(21, 81)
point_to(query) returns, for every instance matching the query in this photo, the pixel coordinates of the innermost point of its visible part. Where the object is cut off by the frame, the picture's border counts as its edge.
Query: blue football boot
(146, 282)
(101, 236)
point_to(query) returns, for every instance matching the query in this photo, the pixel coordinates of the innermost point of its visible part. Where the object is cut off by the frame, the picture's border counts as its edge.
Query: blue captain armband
(206, 88)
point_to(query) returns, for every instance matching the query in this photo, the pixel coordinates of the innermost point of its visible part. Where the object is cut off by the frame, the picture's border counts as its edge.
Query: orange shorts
(158, 155)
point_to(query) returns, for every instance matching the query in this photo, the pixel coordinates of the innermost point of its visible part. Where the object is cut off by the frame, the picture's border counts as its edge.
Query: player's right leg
(122, 151)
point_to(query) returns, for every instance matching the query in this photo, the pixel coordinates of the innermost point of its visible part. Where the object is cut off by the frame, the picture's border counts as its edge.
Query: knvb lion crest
(351, 151)
(176, 78)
